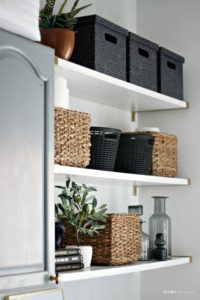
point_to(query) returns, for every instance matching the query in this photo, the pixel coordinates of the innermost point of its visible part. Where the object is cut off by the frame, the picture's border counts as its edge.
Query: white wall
(175, 25)
(122, 13)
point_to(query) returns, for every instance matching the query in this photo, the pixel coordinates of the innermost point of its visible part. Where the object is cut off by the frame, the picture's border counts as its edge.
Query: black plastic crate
(134, 154)
(101, 46)
(142, 62)
(104, 145)
(170, 73)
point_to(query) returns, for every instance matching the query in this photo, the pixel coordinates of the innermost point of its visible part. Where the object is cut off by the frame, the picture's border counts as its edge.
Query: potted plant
(79, 209)
(57, 29)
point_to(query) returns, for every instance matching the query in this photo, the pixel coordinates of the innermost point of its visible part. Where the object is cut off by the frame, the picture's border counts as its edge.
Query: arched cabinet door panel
(26, 161)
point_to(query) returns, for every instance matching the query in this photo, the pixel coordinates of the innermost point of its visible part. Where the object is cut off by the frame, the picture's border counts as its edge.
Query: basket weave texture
(164, 157)
(119, 243)
(142, 62)
(72, 138)
(104, 147)
(170, 73)
(100, 45)
(134, 154)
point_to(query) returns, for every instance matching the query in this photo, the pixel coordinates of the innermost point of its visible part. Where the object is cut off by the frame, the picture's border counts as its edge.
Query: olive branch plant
(79, 209)
(62, 19)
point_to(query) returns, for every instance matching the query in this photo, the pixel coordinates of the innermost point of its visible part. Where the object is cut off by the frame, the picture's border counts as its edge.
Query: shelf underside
(103, 271)
(137, 180)
(94, 86)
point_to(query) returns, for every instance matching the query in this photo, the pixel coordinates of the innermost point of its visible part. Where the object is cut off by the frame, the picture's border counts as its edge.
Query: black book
(68, 259)
(69, 267)
(67, 251)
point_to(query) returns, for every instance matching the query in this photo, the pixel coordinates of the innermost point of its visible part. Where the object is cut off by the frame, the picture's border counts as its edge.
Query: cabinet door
(26, 162)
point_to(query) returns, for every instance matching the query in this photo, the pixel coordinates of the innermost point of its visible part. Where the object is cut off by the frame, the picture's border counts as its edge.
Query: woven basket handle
(110, 135)
(171, 65)
(143, 52)
(110, 38)
(150, 141)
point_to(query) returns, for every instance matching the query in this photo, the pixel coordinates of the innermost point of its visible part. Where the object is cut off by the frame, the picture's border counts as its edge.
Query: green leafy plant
(60, 20)
(79, 209)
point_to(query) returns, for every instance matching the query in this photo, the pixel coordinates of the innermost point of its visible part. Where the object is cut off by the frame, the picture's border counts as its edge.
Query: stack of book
(68, 258)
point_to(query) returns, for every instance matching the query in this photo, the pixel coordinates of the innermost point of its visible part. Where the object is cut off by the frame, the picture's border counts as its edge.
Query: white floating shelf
(139, 180)
(103, 271)
(97, 87)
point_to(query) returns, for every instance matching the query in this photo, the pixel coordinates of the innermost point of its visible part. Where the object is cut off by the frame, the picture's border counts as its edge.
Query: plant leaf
(88, 223)
(103, 206)
(94, 203)
(56, 209)
(62, 7)
(49, 7)
(61, 207)
(103, 211)
(75, 5)
(59, 187)
(89, 232)
(86, 208)
(83, 230)
(68, 182)
(86, 192)
(78, 10)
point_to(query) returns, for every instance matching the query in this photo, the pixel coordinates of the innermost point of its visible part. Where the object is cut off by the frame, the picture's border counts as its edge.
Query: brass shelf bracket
(55, 278)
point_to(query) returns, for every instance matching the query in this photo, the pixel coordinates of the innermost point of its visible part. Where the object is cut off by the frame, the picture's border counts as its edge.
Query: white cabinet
(26, 160)
(95, 87)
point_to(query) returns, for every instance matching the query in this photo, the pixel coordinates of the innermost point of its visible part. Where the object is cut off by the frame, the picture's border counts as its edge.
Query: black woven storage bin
(134, 154)
(104, 147)
(170, 73)
(101, 46)
(142, 62)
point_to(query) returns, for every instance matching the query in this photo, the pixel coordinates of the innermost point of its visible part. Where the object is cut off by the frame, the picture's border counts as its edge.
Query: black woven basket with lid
(134, 154)
(170, 73)
(142, 62)
(101, 46)
(104, 147)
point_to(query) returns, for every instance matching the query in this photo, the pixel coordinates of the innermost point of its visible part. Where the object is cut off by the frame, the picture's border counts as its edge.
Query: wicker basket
(72, 138)
(100, 45)
(119, 243)
(164, 157)
(142, 62)
(170, 73)
(104, 147)
(134, 154)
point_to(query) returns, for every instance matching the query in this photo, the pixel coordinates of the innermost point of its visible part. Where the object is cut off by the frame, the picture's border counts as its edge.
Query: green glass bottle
(160, 223)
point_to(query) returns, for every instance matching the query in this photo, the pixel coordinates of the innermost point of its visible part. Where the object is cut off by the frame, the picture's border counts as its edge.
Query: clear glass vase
(160, 222)
(145, 251)
(145, 254)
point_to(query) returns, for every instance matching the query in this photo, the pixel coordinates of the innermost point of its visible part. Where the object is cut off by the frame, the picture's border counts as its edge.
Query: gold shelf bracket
(135, 190)
(55, 278)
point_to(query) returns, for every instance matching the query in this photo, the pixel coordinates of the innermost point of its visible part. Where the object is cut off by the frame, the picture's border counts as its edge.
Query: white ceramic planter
(86, 251)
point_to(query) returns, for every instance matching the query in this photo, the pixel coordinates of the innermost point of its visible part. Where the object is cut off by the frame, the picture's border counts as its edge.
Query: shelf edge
(122, 270)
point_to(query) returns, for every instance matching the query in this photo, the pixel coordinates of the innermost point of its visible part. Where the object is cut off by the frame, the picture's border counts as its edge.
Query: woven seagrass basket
(119, 243)
(164, 156)
(72, 138)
